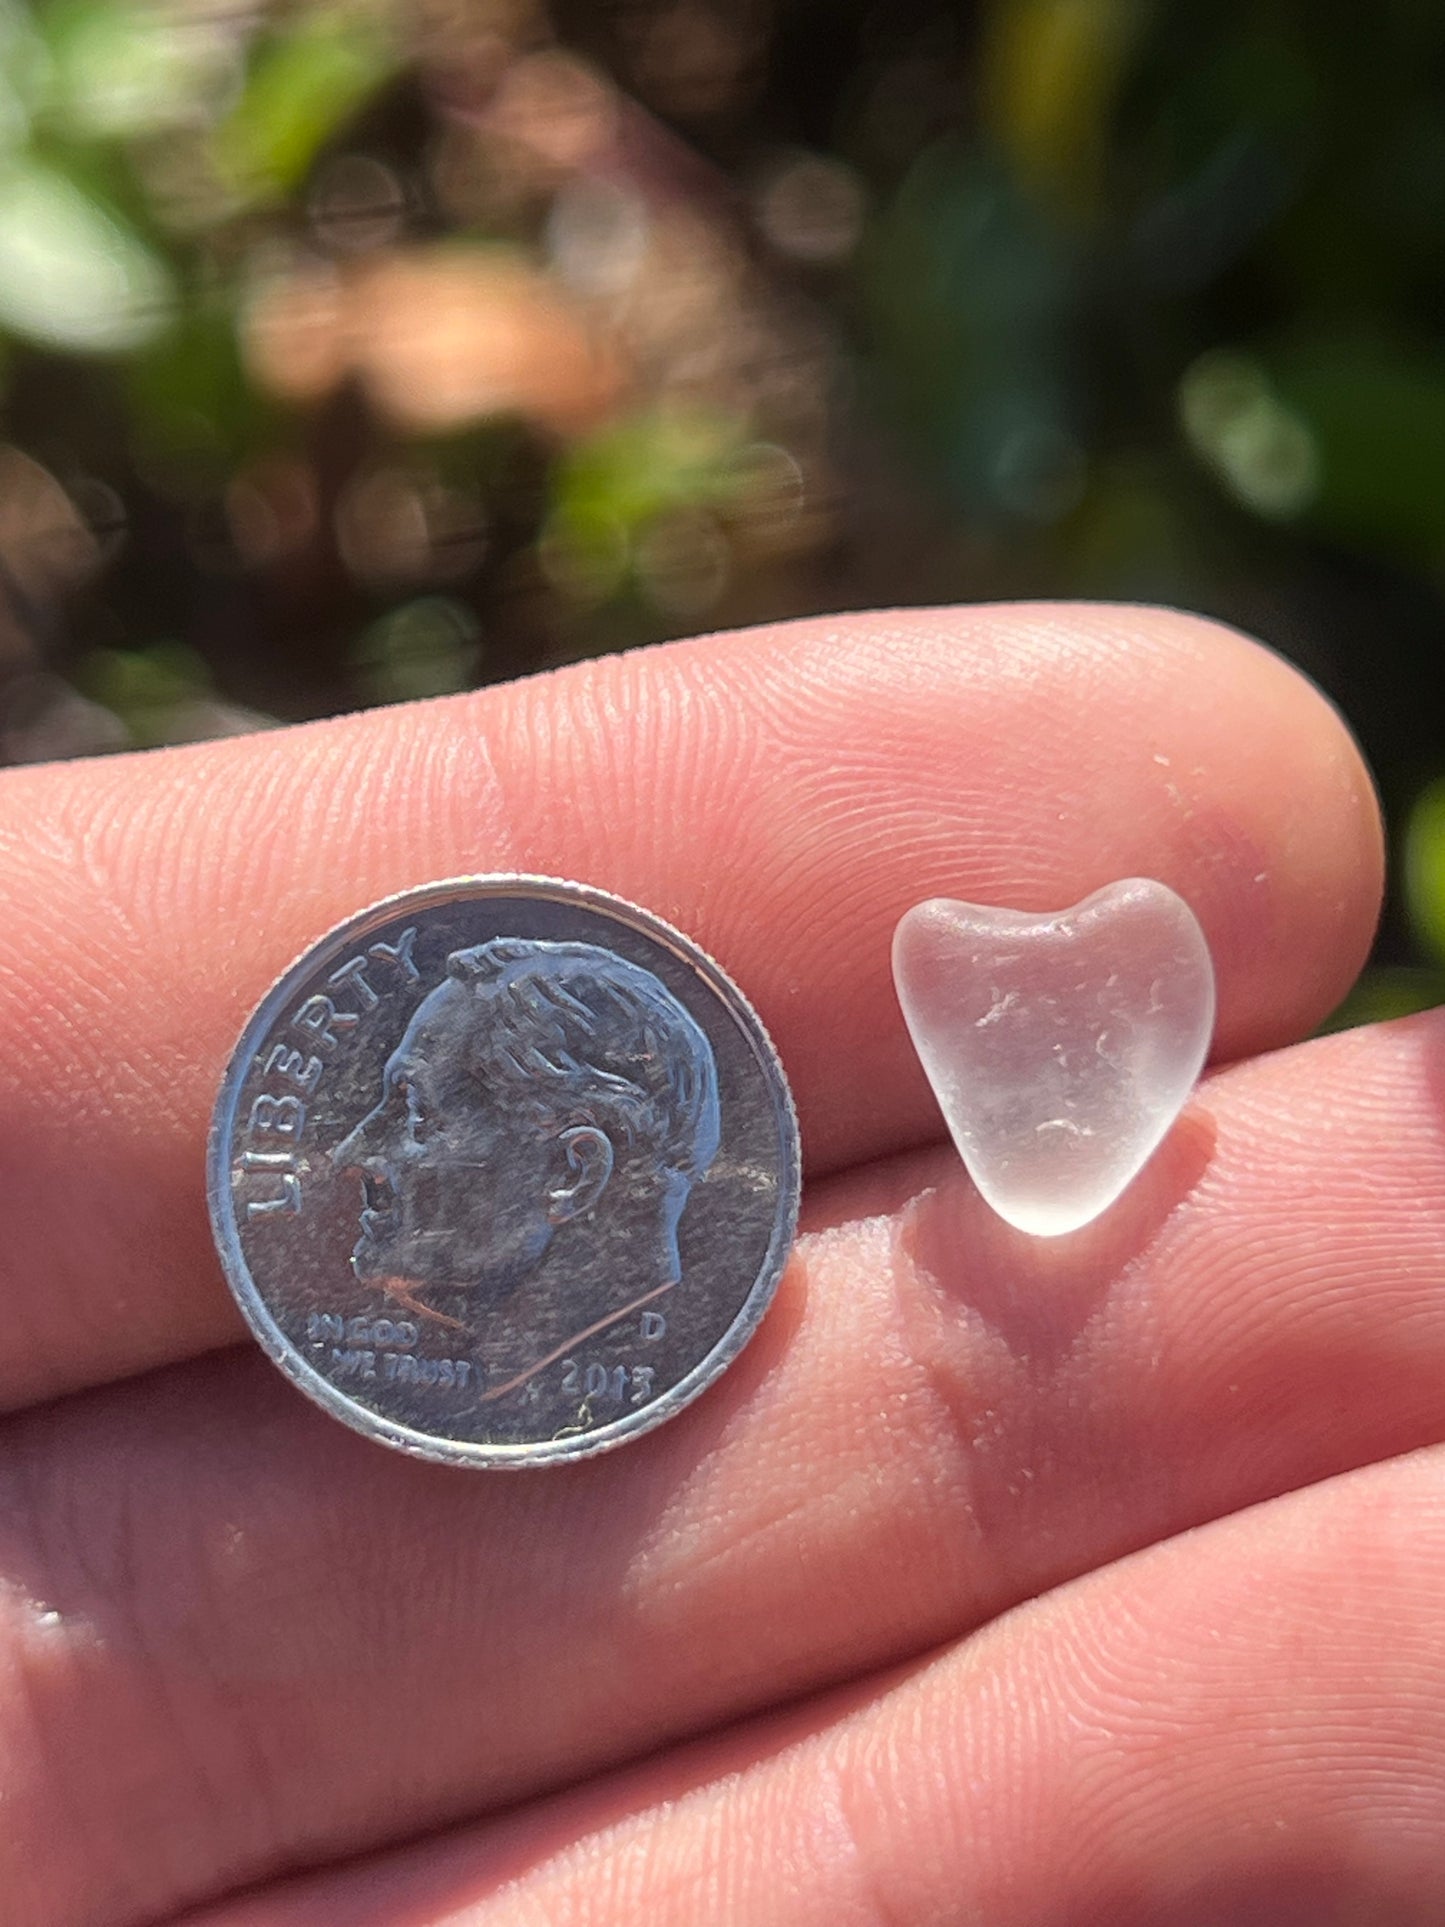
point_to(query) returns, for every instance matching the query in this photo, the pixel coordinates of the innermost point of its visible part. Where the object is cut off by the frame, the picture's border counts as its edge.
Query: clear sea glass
(1061, 1047)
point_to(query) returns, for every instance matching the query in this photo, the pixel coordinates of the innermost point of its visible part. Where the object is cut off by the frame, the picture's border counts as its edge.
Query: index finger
(782, 795)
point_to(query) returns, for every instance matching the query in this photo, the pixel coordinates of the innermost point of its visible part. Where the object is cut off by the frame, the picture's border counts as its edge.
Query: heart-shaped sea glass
(1060, 1047)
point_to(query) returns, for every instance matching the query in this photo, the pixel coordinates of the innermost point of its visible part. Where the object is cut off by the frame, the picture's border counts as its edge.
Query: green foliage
(367, 350)
(304, 82)
(193, 411)
(1424, 866)
(1386, 993)
(425, 648)
(611, 488)
(1374, 411)
(73, 274)
(114, 72)
(145, 687)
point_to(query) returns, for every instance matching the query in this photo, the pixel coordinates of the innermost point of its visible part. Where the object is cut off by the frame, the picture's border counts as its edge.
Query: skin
(1002, 1583)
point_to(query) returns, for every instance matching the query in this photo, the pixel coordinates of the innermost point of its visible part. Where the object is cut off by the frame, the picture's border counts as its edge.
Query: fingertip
(1288, 852)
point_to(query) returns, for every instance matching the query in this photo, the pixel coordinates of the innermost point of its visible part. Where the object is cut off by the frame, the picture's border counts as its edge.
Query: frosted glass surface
(1060, 1047)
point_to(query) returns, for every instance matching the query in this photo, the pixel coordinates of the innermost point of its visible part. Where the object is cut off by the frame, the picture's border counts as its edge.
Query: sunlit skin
(1091, 1574)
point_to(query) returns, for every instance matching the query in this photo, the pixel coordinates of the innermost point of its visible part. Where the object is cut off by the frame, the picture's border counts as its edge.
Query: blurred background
(356, 350)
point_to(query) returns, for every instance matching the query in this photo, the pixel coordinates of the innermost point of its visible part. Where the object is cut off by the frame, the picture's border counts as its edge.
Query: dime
(503, 1171)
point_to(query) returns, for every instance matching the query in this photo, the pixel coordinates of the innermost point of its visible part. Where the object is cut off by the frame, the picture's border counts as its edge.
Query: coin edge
(556, 1451)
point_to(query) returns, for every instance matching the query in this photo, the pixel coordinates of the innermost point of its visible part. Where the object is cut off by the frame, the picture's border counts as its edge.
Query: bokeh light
(351, 351)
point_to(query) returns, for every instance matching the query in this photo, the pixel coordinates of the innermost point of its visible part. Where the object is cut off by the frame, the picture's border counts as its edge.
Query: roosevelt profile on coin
(504, 1171)
(538, 1132)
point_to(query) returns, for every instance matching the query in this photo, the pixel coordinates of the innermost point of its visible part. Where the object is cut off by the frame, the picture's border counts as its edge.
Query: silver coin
(504, 1171)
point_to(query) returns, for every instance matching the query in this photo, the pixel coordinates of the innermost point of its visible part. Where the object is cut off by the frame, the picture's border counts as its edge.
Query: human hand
(939, 1511)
